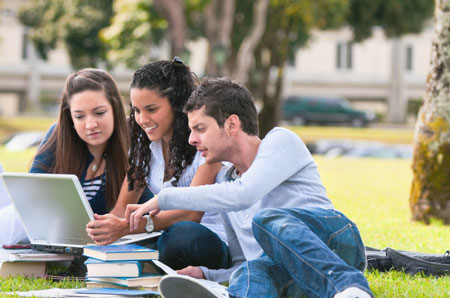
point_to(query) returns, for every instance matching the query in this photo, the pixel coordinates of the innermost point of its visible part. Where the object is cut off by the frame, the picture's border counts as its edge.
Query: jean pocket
(347, 244)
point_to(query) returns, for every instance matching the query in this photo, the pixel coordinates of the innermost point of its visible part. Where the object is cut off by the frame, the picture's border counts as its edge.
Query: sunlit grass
(375, 194)
(21, 284)
(9, 125)
(398, 284)
(392, 136)
(16, 161)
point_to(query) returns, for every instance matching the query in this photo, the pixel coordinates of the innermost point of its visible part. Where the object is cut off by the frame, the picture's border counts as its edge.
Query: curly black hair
(174, 80)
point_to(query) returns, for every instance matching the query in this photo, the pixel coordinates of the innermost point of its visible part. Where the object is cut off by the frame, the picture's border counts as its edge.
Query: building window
(344, 55)
(409, 57)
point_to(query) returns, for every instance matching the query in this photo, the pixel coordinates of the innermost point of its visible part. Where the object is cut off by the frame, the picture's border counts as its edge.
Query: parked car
(302, 110)
(23, 140)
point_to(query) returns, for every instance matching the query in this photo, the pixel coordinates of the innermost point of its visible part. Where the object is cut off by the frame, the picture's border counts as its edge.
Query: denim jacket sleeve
(44, 159)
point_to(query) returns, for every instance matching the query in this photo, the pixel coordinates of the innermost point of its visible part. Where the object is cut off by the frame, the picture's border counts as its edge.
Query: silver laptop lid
(52, 207)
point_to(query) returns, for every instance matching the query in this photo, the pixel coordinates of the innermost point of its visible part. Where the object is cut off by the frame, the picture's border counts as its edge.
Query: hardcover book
(35, 269)
(120, 252)
(12, 255)
(101, 285)
(147, 280)
(126, 268)
(114, 292)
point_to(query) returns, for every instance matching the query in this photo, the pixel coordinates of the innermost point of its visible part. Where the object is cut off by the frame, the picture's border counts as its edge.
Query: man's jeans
(312, 252)
(189, 243)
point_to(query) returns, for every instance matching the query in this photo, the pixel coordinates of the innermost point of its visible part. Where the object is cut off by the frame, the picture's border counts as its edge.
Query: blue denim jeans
(312, 252)
(189, 243)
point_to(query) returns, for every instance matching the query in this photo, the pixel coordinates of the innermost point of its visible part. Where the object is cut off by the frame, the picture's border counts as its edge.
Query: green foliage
(75, 22)
(395, 17)
(414, 106)
(134, 27)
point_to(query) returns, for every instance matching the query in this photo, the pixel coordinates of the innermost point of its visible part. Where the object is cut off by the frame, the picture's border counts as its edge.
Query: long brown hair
(71, 152)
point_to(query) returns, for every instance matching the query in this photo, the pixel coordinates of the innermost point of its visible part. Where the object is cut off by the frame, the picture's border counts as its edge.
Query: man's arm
(280, 155)
(106, 229)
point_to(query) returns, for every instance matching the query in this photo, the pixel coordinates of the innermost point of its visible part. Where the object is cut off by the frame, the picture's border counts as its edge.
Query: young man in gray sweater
(277, 215)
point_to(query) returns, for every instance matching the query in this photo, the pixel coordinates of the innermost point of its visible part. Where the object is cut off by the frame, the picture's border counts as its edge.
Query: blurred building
(379, 74)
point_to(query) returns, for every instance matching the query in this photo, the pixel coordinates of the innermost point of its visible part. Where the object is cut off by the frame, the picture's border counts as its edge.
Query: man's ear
(232, 124)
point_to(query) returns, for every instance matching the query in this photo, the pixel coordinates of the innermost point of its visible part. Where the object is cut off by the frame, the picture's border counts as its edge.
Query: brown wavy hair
(71, 152)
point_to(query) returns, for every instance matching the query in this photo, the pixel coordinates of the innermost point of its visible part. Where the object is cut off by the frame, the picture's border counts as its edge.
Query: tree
(288, 28)
(77, 23)
(430, 191)
(134, 27)
(138, 25)
(218, 24)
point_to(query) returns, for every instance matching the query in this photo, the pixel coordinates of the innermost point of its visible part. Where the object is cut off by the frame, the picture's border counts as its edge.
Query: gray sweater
(282, 175)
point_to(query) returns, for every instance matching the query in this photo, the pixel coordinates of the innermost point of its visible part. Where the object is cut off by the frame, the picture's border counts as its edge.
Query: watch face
(149, 227)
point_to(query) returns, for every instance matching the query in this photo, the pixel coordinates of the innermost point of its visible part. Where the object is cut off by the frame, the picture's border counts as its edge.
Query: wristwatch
(149, 226)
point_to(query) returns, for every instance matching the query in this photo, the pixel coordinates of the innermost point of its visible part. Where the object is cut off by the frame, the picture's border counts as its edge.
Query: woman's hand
(107, 228)
(134, 212)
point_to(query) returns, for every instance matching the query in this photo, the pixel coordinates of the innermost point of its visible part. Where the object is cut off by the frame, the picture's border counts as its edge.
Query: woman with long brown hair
(90, 139)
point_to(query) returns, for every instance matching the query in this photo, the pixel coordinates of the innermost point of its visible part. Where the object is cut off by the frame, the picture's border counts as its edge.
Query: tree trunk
(270, 113)
(219, 24)
(430, 191)
(251, 41)
(173, 12)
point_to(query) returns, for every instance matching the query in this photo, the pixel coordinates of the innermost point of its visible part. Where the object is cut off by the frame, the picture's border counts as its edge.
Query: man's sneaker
(176, 286)
(353, 292)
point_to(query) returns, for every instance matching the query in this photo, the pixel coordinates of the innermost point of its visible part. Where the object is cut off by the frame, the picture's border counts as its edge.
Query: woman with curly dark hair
(160, 156)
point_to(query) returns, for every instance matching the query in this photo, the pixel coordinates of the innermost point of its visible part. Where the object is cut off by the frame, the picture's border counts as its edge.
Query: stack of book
(27, 262)
(128, 266)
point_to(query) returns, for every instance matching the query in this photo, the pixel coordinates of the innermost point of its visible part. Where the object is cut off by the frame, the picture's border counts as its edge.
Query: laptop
(54, 211)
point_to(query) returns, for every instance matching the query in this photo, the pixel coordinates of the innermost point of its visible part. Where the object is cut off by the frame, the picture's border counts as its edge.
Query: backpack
(408, 261)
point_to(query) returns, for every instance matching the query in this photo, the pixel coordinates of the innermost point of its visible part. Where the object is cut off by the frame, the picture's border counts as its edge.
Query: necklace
(96, 166)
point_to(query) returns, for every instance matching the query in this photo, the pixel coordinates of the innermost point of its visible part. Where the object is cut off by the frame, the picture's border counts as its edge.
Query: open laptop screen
(54, 211)
(52, 207)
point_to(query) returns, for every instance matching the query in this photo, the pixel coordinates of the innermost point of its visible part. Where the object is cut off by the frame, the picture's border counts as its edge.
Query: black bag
(408, 261)
(378, 259)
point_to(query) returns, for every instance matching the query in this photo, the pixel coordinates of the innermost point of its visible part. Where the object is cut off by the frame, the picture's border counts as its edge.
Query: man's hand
(107, 228)
(192, 271)
(134, 212)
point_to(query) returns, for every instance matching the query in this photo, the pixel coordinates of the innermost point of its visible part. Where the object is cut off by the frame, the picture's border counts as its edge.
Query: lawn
(372, 192)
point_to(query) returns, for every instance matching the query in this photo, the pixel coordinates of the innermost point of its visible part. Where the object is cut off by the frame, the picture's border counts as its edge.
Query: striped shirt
(92, 186)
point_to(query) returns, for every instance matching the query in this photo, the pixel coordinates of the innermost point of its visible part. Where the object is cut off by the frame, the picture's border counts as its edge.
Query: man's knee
(262, 217)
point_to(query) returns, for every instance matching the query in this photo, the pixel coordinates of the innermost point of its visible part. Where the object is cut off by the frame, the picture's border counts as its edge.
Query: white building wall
(316, 73)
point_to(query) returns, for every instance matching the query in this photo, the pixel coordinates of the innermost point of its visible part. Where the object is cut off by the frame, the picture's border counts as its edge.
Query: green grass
(392, 136)
(16, 124)
(374, 193)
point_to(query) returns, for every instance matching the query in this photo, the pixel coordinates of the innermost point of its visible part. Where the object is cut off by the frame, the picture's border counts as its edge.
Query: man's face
(211, 140)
